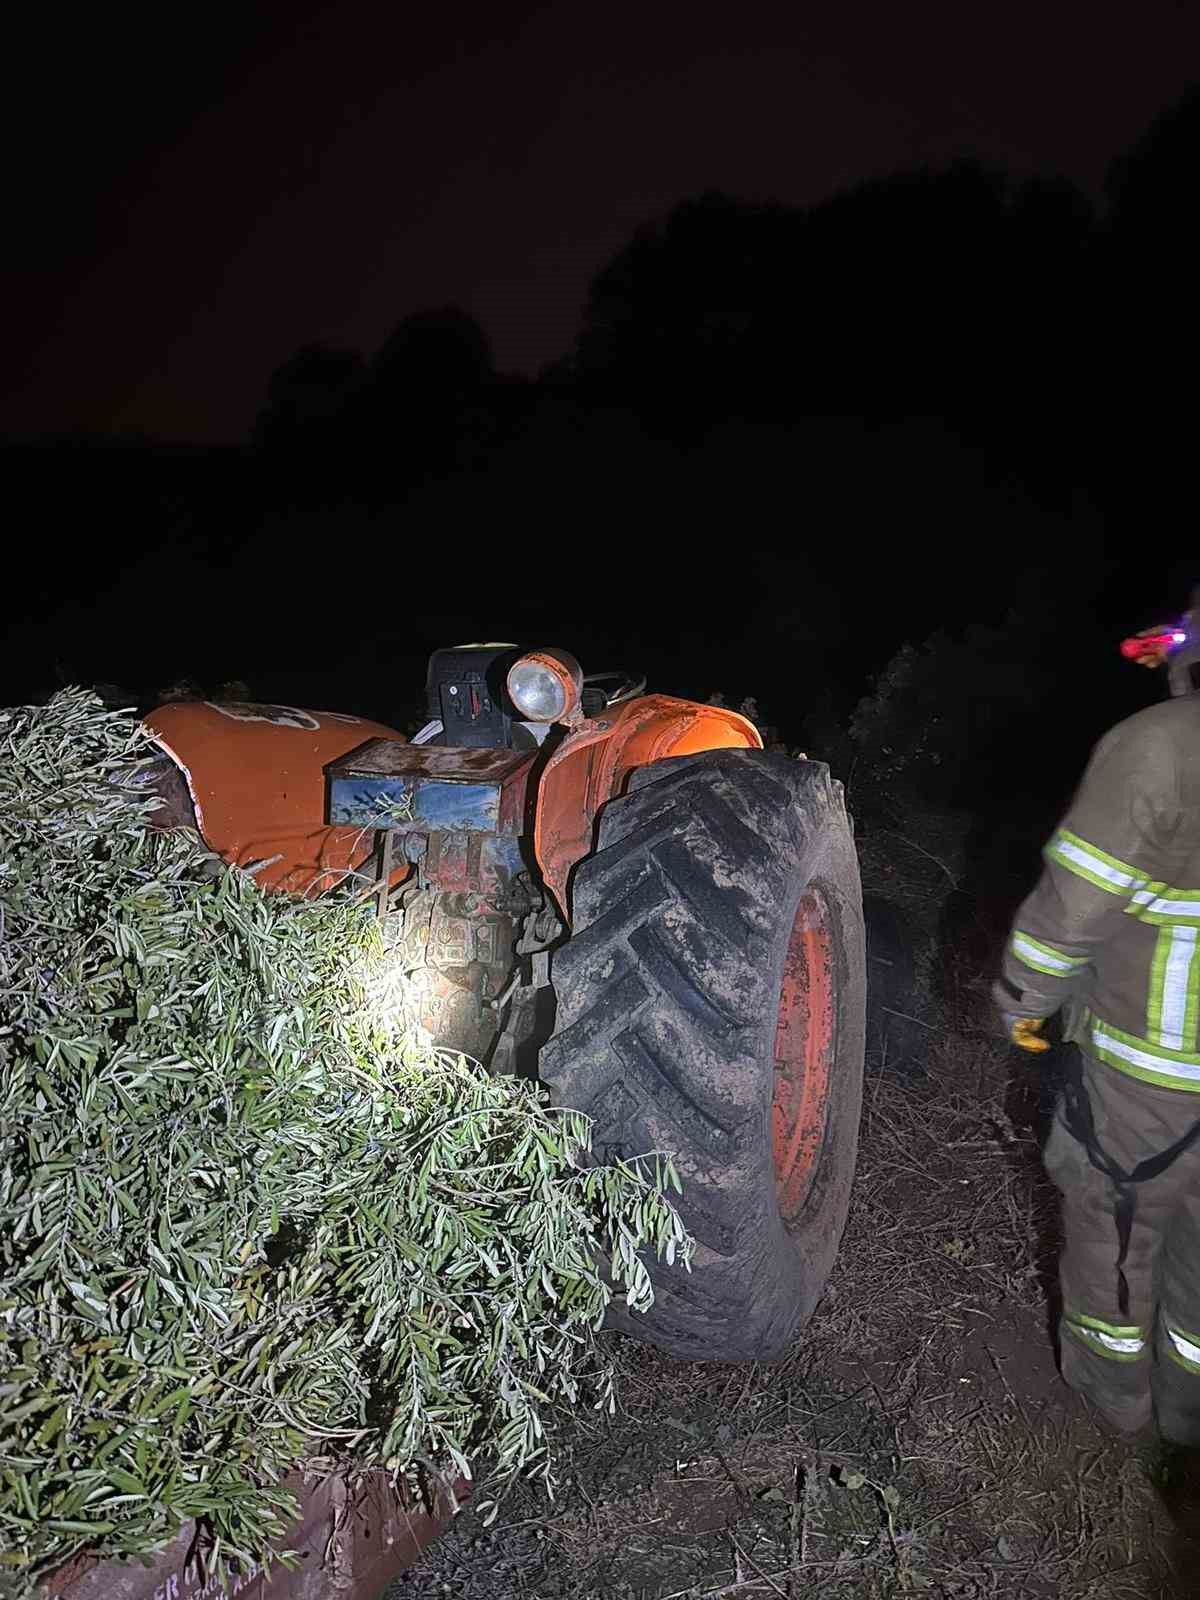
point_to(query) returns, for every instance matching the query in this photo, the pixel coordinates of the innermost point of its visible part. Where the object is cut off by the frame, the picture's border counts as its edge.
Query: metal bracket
(384, 856)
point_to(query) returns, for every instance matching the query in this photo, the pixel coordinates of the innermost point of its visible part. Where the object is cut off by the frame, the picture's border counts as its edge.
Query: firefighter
(1111, 937)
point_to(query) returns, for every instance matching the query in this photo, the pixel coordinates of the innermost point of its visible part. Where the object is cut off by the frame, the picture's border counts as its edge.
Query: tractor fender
(256, 777)
(593, 765)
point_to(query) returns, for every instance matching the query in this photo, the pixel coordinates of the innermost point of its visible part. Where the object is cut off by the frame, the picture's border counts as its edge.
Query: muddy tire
(710, 1003)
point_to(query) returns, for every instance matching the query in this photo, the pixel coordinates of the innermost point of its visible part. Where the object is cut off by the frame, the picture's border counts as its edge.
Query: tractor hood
(256, 776)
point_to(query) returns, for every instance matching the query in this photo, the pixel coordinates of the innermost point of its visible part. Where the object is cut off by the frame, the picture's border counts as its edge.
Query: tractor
(619, 892)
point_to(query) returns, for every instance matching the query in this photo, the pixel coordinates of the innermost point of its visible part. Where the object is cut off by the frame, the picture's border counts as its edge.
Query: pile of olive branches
(243, 1222)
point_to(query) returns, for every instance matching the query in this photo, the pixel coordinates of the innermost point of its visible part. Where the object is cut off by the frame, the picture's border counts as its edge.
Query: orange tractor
(619, 892)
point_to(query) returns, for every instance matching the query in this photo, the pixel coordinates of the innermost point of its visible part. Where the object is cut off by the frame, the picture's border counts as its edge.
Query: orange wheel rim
(804, 1048)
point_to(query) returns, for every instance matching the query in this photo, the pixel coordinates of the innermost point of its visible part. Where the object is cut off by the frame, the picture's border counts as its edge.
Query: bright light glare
(536, 691)
(1179, 637)
(390, 995)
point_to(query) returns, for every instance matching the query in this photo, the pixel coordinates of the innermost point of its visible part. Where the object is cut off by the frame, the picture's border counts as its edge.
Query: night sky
(193, 192)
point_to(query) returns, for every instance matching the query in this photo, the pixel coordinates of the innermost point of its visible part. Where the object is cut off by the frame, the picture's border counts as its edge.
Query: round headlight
(546, 685)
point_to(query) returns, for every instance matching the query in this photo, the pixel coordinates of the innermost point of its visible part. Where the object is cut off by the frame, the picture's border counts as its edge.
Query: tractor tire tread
(666, 1016)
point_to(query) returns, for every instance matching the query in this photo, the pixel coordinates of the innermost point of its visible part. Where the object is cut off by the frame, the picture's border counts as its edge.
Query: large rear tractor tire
(710, 1004)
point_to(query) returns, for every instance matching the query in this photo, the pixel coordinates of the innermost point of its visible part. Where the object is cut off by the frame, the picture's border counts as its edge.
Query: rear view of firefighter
(1111, 935)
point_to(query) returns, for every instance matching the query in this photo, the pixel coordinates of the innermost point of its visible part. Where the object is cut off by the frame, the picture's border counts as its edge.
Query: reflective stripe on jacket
(1114, 921)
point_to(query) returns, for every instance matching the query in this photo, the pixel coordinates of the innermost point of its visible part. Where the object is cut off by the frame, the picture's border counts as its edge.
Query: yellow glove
(1026, 1033)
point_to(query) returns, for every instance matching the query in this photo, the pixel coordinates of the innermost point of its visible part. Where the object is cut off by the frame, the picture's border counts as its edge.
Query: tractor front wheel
(710, 1005)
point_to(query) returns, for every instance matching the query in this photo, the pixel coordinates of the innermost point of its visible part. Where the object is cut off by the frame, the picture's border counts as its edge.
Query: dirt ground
(916, 1439)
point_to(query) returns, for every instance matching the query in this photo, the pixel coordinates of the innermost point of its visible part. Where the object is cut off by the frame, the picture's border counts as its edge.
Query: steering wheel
(616, 687)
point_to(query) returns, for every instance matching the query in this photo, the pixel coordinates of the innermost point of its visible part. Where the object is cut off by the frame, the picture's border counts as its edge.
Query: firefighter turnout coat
(1111, 933)
(1114, 923)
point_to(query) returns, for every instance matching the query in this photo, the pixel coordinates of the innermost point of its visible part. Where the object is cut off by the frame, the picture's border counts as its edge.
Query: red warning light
(1150, 649)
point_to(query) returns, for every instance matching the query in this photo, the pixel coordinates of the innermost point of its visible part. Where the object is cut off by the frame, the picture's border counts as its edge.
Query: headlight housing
(546, 685)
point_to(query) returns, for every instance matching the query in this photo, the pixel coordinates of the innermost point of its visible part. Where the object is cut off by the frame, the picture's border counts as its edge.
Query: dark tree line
(959, 294)
(784, 441)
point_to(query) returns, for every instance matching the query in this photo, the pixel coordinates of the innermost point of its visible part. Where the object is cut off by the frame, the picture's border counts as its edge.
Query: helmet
(1177, 644)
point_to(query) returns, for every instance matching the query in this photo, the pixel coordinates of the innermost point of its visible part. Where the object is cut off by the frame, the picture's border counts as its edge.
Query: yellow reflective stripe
(1118, 1330)
(1043, 957)
(1171, 1008)
(1096, 866)
(1163, 905)
(1184, 1348)
(1114, 1341)
(1107, 1344)
(1149, 900)
(1142, 1059)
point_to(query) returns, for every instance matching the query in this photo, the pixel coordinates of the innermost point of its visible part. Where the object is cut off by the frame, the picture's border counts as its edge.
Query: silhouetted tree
(428, 401)
(306, 394)
(1151, 323)
(433, 355)
(1151, 186)
(923, 292)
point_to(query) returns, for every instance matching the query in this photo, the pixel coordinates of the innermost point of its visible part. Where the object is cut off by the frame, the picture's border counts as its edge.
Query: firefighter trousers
(1141, 1360)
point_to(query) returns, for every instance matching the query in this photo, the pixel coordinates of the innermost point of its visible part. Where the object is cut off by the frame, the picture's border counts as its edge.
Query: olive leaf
(244, 1221)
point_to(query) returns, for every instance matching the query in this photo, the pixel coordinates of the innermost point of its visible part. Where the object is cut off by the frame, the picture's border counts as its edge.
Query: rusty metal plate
(349, 1542)
(429, 789)
(385, 758)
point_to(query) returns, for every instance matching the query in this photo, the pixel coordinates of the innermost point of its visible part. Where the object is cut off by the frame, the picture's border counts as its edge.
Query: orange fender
(256, 775)
(593, 764)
